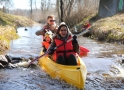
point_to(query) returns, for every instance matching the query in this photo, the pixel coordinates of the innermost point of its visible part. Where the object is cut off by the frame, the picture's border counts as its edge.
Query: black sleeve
(75, 46)
(44, 49)
(51, 48)
(40, 32)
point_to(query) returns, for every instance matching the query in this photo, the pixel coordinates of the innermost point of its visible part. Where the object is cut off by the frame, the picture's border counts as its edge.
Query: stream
(104, 65)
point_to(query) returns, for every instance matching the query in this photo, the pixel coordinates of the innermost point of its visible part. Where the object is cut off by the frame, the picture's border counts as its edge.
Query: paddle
(50, 51)
(82, 49)
(83, 32)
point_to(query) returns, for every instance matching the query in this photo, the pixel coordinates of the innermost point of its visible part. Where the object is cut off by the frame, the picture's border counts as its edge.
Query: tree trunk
(61, 10)
(57, 9)
(31, 9)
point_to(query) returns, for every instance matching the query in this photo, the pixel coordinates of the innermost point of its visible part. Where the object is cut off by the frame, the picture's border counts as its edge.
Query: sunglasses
(52, 20)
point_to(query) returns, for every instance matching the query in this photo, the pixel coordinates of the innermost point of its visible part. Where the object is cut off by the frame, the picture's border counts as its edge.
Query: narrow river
(103, 62)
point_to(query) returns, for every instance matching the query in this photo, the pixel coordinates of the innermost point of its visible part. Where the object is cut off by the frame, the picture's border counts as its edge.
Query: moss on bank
(8, 25)
(109, 29)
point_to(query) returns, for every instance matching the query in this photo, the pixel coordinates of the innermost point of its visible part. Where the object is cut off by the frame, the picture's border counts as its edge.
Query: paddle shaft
(83, 32)
(82, 49)
(50, 51)
(39, 57)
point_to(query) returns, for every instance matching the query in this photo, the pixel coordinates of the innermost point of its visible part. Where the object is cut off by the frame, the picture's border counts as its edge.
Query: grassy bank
(110, 29)
(8, 25)
(7, 33)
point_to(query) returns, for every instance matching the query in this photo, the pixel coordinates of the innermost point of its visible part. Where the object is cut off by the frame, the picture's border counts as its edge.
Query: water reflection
(28, 43)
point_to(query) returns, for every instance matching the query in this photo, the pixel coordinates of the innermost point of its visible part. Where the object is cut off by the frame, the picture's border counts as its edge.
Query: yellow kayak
(74, 75)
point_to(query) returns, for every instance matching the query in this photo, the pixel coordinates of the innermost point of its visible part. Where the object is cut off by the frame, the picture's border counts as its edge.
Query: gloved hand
(51, 49)
(74, 38)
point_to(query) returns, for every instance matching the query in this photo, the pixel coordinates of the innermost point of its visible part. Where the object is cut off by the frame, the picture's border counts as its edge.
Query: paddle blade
(83, 51)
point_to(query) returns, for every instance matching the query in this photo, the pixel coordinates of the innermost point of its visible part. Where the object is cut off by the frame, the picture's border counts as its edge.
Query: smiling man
(50, 25)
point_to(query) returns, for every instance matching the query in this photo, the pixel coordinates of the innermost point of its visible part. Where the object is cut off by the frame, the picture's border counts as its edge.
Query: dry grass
(9, 23)
(7, 33)
(109, 29)
(16, 21)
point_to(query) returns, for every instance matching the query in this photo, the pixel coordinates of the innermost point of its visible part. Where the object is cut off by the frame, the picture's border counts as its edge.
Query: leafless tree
(31, 5)
(45, 5)
(69, 11)
(6, 4)
(61, 9)
(73, 11)
(35, 3)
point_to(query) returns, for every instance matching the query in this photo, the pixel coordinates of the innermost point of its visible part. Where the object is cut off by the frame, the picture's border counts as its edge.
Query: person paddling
(47, 41)
(86, 25)
(66, 54)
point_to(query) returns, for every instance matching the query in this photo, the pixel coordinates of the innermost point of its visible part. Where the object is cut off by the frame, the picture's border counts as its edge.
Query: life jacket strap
(65, 51)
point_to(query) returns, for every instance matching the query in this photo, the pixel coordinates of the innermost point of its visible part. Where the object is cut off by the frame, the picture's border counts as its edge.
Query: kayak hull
(74, 75)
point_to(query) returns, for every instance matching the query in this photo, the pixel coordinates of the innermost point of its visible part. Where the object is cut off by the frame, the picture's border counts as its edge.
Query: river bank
(110, 29)
(9, 24)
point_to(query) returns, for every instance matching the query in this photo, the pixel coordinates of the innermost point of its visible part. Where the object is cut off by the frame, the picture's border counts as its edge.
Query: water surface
(103, 62)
